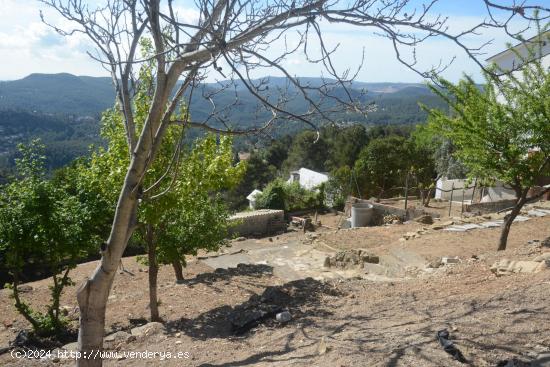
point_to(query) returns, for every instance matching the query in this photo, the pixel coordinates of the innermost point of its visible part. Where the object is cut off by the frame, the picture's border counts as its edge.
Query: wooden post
(451, 200)
(406, 190)
(473, 191)
(462, 207)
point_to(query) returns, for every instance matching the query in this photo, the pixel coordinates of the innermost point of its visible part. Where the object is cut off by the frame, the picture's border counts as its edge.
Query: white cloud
(27, 45)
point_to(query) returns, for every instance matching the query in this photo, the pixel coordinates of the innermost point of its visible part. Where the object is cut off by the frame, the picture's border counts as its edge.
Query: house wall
(309, 179)
(487, 194)
(497, 193)
(443, 187)
(509, 61)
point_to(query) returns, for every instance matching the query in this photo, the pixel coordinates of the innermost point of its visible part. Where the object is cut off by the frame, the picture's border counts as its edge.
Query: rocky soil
(344, 321)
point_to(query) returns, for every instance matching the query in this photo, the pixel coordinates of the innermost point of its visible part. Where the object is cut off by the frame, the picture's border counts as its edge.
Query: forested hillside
(64, 110)
(65, 137)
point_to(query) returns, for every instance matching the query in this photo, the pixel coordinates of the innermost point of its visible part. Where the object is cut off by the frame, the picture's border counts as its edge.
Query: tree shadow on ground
(409, 334)
(300, 297)
(249, 270)
(490, 330)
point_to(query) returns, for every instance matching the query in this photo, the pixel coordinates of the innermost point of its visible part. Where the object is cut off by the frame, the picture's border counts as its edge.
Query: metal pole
(451, 200)
(406, 190)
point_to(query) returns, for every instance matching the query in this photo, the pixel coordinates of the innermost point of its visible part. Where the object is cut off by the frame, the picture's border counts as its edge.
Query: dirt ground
(337, 322)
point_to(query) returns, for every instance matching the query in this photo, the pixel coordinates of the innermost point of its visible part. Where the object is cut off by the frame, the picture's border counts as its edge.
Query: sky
(29, 46)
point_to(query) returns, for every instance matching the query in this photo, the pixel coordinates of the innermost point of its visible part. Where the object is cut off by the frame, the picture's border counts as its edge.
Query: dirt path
(338, 322)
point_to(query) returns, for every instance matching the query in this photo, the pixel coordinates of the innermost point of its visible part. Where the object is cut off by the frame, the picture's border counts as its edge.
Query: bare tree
(235, 39)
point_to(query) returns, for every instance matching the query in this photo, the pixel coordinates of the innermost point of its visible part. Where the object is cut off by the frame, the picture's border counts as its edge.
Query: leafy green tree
(307, 151)
(259, 172)
(277, 151)
(42, 223)
(279, 194)
(502, 132)
(180, 211)
(383, 165)
(345, 145)
(425, 161)
(441, 150)
(340, 185)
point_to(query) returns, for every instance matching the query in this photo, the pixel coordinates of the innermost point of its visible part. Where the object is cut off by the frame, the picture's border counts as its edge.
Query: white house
(459, 187)
(252, 198)
(307, 178)
(508, 60)
(511, 59)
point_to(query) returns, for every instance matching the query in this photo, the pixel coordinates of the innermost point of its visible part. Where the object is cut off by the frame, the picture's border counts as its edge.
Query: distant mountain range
(57, 94)
(64, 109)
(84, 95)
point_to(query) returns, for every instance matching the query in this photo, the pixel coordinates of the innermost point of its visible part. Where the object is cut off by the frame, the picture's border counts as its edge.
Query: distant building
(307, 178)
(252, 198)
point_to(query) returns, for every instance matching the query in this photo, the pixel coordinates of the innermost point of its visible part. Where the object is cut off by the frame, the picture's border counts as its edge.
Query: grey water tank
(361, 214)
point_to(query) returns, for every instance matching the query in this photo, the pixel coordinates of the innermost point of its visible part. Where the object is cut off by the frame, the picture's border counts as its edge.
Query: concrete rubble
(507, 267)
(349, 259)
(148, 329)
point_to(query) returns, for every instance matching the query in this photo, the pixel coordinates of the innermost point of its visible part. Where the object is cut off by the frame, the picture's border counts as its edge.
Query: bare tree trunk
(428, 198)
(92, 295)
(178, 271)
(522, 198)
(153, 273)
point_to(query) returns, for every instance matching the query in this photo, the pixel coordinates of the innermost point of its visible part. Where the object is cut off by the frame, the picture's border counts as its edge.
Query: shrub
(40, 222)
(291, 197)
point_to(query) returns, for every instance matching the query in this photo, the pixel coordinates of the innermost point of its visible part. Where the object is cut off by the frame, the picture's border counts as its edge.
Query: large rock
(71, 346)
(258, 309)
(544, 257)
(349, 259)
(507, 267)
(425, 219)
(24, 288)
(542, 360)
(119, 335)
(151, 328)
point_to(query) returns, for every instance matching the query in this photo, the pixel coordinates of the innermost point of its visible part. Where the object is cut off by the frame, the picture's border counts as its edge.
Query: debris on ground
(257, 309)
(450, 260)
(507, 267)
(24, 288)
(350, 259)
(425, 219)
(322, 348)
(449, 347)
(543, 257)
(304, 223)
(392, 219)
(514, 362)
(435, 263)
(148, 329)
(284, 316)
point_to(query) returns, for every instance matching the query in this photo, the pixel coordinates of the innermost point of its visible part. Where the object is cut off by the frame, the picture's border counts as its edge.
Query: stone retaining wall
(381, 210)
(492, 207)
(260, 222)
